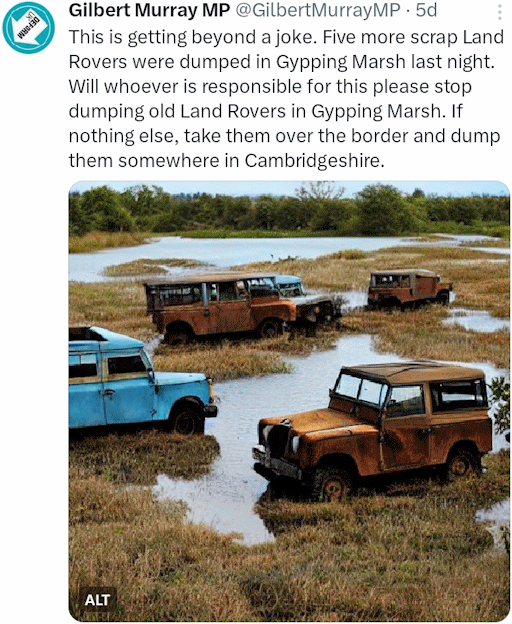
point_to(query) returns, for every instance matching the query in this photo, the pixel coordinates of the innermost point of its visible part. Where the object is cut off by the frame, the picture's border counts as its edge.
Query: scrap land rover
(406, 288)
(381, 419)
(233, 302)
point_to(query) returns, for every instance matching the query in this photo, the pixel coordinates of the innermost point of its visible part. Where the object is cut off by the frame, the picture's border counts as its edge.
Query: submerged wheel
(332, 484)
(462, 464)
(270, 328)
(187, 421)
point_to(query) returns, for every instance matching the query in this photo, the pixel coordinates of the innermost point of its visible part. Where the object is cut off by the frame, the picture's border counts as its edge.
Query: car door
(230, 311)
(406, 435)
(128, 390)
(85, 391)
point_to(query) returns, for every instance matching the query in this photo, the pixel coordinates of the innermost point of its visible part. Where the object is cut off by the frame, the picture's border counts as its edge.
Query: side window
(126, 364)
(82, 366)
(242, 292)
(455, 395)
(406, 400)
(372, 392)
(227, 291)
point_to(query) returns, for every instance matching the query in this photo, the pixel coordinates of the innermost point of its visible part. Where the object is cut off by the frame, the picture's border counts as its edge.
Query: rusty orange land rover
(407, 288)
(218, 303)
(381, 418)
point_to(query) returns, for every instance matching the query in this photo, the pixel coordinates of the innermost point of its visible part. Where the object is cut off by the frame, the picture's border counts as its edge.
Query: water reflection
(224, 499)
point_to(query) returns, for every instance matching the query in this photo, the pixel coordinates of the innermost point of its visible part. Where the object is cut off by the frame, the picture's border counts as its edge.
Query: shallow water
(224, 499)
(227, 252)
(476, 320)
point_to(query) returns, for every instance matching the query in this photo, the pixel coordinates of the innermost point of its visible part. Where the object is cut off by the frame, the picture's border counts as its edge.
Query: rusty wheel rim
(334, 489)
(460, 466)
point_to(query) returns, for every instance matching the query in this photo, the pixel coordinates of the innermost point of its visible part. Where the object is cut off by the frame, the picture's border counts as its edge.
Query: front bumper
(210, 410)
(279, 467)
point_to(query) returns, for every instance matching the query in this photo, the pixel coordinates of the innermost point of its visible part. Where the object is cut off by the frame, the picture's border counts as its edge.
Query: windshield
(360, 389)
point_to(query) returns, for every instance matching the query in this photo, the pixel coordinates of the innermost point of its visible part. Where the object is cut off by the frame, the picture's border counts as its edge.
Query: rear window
(449, 396)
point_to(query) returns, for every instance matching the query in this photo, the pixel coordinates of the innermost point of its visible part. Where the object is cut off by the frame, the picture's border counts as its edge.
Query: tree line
(377, 210)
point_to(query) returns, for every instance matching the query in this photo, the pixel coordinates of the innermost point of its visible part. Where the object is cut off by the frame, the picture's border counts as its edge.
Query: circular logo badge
(28, 27)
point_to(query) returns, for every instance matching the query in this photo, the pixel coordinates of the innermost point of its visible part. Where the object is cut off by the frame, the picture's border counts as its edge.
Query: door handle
(109, 392)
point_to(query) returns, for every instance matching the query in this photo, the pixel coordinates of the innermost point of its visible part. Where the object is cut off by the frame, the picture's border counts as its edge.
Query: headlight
(294, 444)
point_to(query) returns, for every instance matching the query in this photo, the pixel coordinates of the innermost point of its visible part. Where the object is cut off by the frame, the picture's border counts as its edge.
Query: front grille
(277, 440)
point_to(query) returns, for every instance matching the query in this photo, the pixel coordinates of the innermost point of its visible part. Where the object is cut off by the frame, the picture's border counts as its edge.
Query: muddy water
(224, 499)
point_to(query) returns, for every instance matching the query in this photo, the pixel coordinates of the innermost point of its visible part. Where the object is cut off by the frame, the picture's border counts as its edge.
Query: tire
(177, 336)
(270, 328)
(388, 305)
(332, 484)
(462, 464)
(443, 298)
(187, 421)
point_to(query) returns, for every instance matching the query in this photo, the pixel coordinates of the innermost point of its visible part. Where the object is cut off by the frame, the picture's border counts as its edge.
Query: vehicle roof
(226, 276)
(414, 372)
(287, 278)
(422, 272)
(99, 339)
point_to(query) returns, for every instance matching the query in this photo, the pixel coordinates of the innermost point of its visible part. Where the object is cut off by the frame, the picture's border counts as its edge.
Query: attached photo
(289, 401)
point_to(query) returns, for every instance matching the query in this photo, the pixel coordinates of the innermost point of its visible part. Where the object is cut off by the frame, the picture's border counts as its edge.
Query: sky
(235, 188)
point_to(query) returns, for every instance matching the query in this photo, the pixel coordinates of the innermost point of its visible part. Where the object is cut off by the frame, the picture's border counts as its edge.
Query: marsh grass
(94, 241)
(420, 334)
(415, 553)
(118, 306)
(137, 457)
(150, 266)
(221, 361)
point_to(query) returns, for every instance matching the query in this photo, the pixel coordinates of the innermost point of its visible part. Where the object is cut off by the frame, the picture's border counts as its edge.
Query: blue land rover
(112, 382)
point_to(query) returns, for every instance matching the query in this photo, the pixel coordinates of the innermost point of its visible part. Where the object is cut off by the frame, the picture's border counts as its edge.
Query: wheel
(462, 464)
(187, 421)
(270, 328)
(177, 337)
(388, 305)
(443, 298)
(332, 484)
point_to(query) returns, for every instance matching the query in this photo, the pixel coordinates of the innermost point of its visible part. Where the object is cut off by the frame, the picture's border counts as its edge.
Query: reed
(137, 457)
(150, 266)
(94, 241)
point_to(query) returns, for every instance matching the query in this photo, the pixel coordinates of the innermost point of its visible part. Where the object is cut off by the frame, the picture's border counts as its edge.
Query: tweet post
(280, 234)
